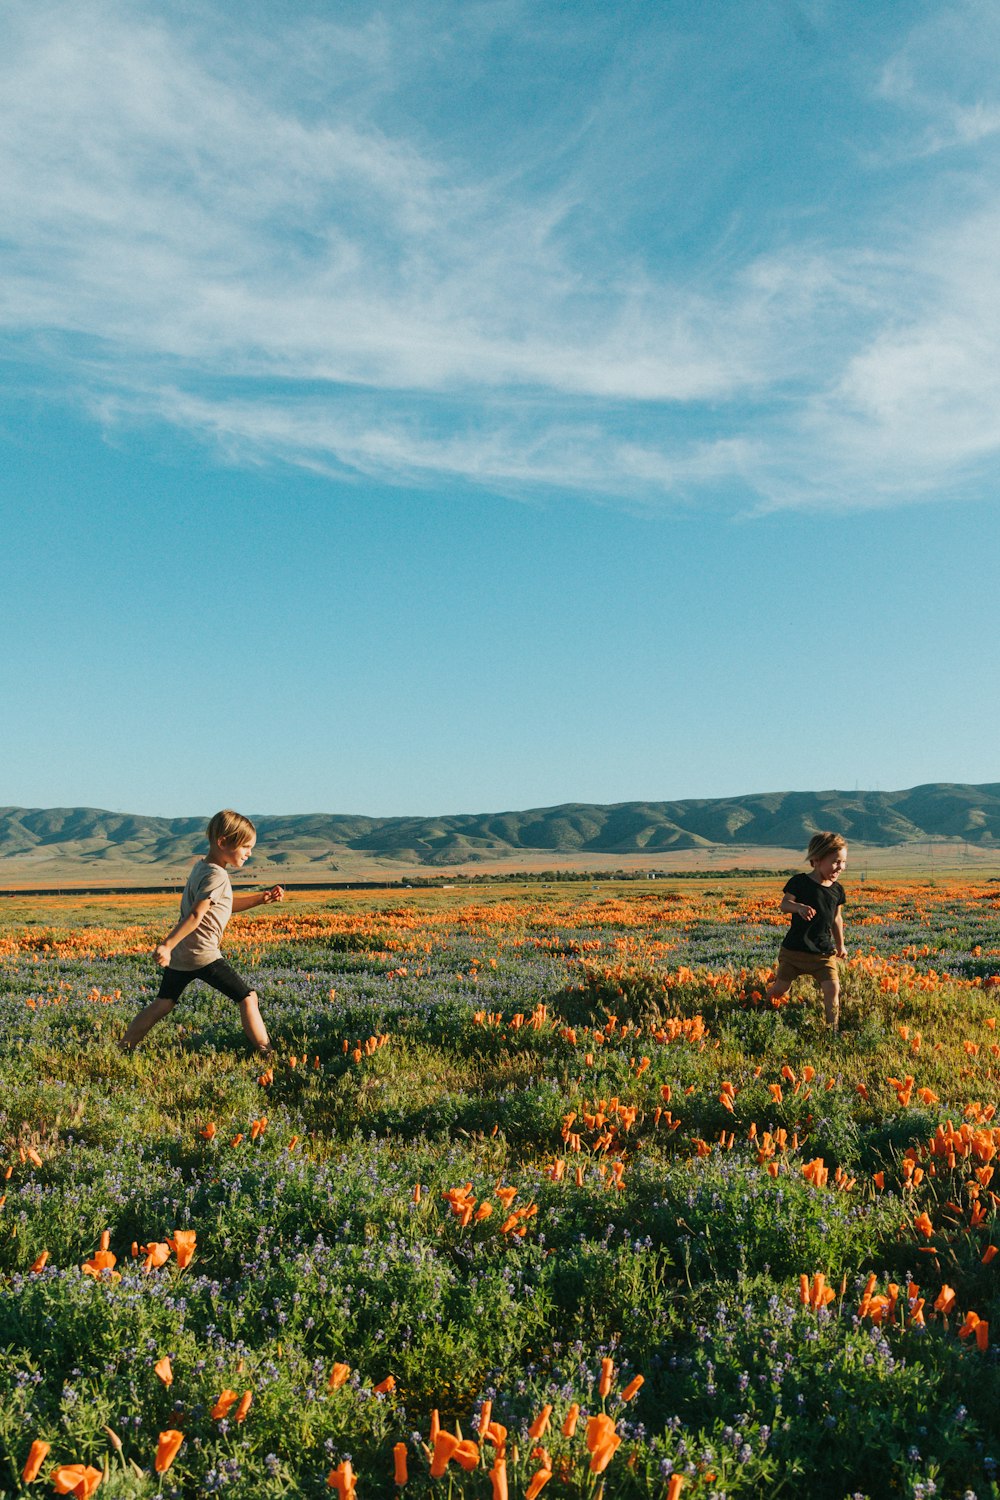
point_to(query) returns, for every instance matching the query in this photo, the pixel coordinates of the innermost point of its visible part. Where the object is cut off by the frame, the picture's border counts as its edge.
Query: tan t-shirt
(201, 947)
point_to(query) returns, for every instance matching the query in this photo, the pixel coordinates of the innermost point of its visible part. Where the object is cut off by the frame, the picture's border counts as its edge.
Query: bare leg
(145, 1021)
(831, 1002)
(253, 1024)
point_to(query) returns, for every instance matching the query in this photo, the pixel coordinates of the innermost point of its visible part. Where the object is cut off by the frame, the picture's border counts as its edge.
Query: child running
(191, 950)
(815, 937)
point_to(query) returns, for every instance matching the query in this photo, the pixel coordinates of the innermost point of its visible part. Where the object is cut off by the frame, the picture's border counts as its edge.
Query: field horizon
(933, 829)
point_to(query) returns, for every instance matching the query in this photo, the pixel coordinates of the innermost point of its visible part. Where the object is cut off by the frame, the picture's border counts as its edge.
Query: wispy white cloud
(944, 77)
(239, 236)
(170, 214)
(348, 439)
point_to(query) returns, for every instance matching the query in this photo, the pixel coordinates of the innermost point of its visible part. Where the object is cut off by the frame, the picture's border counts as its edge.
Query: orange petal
(35, 1460)
(400, 1473)
(167, 1449)
(539, 1480)
(76, 1479)
(221, 1407)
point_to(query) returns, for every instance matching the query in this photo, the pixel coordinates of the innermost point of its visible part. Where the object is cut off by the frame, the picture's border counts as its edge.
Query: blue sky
(476, 404)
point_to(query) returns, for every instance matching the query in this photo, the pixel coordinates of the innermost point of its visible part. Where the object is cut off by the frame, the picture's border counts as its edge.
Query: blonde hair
(822, 844)
(230, 828)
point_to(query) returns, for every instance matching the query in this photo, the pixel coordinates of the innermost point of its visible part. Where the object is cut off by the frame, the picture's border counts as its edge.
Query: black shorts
(220, 975)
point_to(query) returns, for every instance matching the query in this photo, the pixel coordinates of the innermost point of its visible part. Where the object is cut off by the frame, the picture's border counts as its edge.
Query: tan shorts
(792, 964)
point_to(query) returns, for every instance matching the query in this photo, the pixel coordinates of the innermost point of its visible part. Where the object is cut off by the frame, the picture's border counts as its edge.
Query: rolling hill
(50, 843)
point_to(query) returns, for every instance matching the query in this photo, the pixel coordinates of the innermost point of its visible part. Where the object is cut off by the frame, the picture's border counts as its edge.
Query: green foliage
(403, 1199)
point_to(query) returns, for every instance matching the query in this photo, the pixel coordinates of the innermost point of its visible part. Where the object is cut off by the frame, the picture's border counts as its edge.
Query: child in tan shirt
(191, 950)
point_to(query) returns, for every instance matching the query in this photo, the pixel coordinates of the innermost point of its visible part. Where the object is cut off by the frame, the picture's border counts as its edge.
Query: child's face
(831, 865)
(237, 854)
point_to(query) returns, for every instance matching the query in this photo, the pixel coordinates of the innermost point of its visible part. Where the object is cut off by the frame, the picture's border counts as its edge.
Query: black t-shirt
(815, 936)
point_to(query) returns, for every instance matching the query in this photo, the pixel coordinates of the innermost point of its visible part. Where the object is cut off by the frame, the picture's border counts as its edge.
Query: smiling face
(236, 855)
(831, 865)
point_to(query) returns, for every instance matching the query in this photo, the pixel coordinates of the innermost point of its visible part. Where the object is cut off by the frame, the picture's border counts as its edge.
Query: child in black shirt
(815, 937)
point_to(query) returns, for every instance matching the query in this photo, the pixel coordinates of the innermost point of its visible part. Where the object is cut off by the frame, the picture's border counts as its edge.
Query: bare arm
(789, 904)
(247, 899)
(838, 933)
(185, 926)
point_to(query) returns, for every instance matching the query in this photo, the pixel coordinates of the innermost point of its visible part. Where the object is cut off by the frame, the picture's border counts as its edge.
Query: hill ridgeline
(42, 839)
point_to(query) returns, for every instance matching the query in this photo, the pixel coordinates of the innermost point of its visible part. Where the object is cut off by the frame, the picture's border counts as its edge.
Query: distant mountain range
(83, 838)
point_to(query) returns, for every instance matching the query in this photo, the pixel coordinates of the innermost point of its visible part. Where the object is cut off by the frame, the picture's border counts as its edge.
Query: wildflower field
(540, 1192)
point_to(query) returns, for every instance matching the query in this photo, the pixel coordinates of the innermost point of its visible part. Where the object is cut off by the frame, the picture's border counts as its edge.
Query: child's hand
(806, 911)
(276, 893)
(162, 955)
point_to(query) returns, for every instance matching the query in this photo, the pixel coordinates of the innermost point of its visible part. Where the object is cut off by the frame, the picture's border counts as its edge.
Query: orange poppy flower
(633, 1387)
(988, 1254)
(385, 1386)
(983, 1335)
(539, 1480)
(400, 1472)
(221, 1407)
(607, 1371)
(972, 1320)
(167, 1449)
(343, 1480)
(38, 1264)
(572, 1417)
(445, 1444)
(101, 1260)
(599, 1429)
(245, 1402)
(76, 1479)
(338, 1376)
(164, 1369)
(156, 1253)
(182, 1245)
(484, 1417)
(540, 1425)
(602, 1456)
(466, 1455)
(496, 1433)
(498, 1479)
(36, 1458)
(675, 1486)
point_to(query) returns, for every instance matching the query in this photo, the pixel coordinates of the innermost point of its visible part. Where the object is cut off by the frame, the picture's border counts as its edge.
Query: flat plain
(539, 1193)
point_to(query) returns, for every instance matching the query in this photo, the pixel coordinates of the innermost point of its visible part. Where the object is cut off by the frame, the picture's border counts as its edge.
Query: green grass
(314, 1250)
